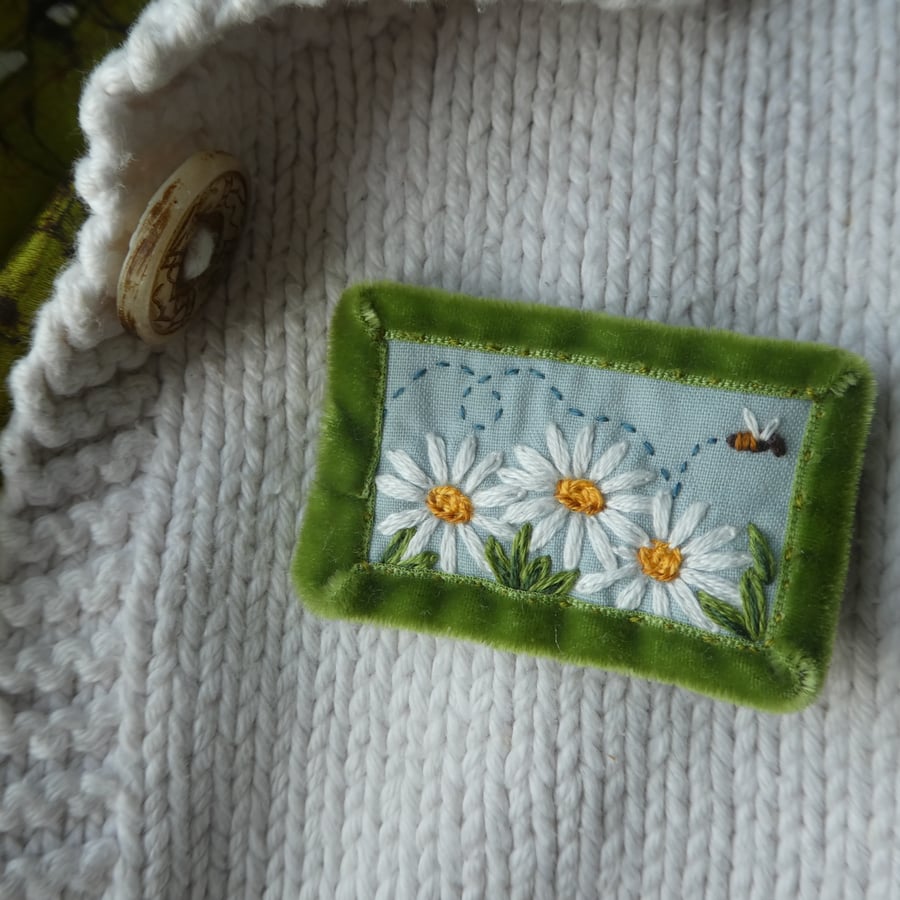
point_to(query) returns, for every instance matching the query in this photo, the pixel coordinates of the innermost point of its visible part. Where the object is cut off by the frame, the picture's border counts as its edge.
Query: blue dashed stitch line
(557, 395)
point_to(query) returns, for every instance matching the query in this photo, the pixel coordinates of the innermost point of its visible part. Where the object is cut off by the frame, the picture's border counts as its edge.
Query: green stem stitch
(393, 555)
(749, 622)
(537, 576)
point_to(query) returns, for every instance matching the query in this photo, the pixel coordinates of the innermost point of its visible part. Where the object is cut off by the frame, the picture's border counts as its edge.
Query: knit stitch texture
(172, 722)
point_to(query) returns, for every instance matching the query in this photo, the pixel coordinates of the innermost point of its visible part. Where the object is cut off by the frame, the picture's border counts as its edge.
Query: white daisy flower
(586, 498)
(451, 498)
(673, 564)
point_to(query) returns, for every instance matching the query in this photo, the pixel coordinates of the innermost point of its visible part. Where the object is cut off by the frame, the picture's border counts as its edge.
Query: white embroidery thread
(577, 493)
(450, 498)
(672, 564)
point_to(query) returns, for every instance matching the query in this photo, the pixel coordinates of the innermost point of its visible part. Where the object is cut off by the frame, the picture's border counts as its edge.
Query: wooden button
(181, 245)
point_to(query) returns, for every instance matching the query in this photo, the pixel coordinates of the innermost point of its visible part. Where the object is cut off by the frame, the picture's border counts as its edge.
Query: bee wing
(770, 429)
(751, 423)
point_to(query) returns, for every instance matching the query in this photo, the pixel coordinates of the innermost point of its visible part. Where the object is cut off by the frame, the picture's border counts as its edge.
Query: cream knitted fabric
(172, 722)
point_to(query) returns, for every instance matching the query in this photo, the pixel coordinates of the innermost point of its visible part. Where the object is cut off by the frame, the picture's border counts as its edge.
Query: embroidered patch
(669, 502)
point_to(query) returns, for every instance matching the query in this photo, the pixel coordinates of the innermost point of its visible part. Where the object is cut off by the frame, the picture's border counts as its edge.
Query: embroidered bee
(755, 441)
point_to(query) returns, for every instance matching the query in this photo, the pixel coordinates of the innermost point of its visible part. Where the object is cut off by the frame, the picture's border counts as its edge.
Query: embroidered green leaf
(520, 549)
(397, 547)
(753, 598)
(558, 583)
(515, 570)
(536, 571)
(763, 558)
(498, 560)
(424, 560)
(723, 614)
(393, 555)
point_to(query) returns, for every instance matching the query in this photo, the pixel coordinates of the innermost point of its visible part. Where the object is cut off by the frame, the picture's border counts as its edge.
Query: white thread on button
(199, 253)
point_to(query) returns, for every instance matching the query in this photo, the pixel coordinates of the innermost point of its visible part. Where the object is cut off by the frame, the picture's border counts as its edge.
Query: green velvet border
(334, 578)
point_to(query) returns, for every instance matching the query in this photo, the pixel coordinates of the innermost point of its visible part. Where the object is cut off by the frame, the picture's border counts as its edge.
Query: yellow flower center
(580, 495)
(450, 504)
(660, 561)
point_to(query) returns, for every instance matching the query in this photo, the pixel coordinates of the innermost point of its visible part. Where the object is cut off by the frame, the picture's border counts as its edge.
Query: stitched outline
(677, 376)
(557, 395)
(779, 678)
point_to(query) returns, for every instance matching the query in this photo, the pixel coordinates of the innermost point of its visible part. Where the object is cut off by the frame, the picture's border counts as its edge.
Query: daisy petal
(624, 529)
(715, 562)
(408, 518)
(494, 526)
(685, 598)
(529, 510)
(610, 459)
(498, 495)
(540, 469)
(437, 456)
(574, 542)
(392, 486)
(521, 479)
(448, 549)
(688, 523)
(420, 539)
(548, 527)
(483, 470)
(630, 503)
(406, 468)
(598, 581)
(712, 540)
(600, 542)
(632, 594)
(474, 546)
(659, 601)
(465, 456)
(662, 511)
(627, 480)
(584, 448)
(559, 450)
(712, 584)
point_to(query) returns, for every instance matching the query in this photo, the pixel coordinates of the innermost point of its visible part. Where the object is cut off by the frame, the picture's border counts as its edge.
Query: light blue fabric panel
(509, 400)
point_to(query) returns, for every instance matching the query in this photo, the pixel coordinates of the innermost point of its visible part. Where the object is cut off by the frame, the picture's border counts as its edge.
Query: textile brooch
(673, 503)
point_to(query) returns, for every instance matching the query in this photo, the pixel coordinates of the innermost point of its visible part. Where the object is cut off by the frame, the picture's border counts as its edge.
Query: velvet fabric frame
(783, 672)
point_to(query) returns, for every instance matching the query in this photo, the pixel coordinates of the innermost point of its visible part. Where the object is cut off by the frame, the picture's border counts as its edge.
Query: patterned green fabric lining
(46, 49)
(27, 278)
